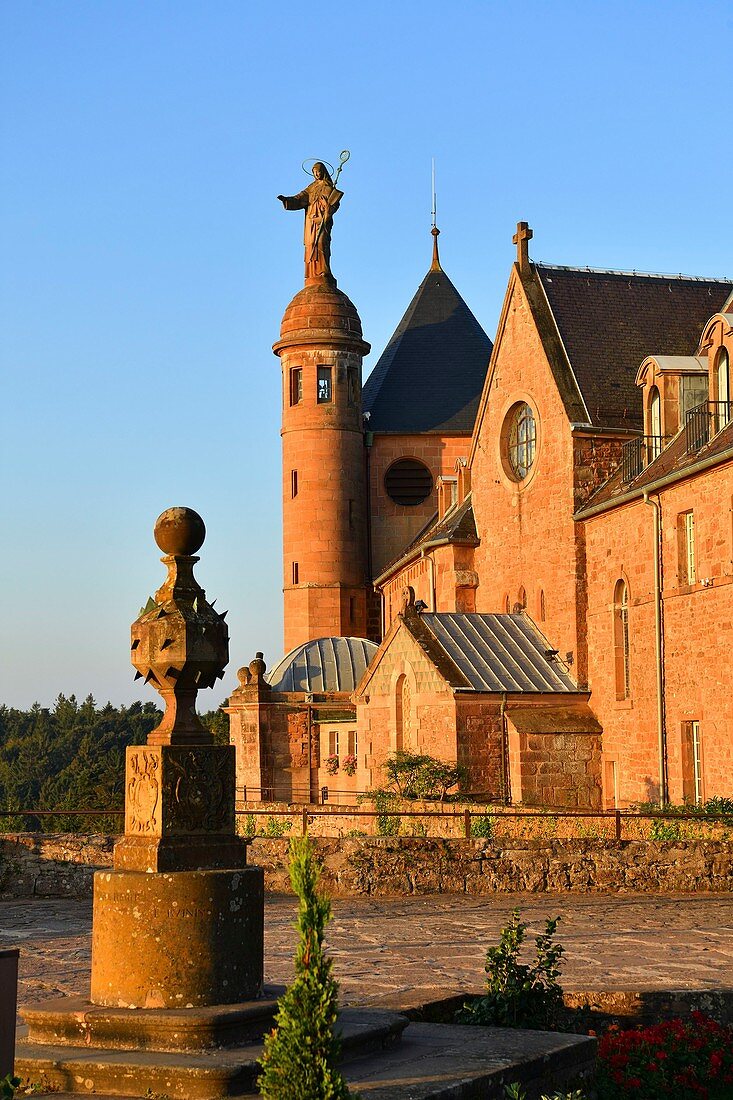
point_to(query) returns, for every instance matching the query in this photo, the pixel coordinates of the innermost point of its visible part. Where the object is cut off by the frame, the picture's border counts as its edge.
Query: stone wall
(698, 620)
(62, 866)
(46, 866)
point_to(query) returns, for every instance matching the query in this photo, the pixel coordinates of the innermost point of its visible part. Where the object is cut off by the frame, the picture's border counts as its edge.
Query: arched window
(507, 605)
(402, 713)
(542, 606)
(399, 717)
(722, 388)
(621, 639)
(521, 603)
(655, 423)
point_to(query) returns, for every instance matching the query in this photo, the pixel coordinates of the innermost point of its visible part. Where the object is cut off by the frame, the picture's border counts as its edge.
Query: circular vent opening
(408, 482)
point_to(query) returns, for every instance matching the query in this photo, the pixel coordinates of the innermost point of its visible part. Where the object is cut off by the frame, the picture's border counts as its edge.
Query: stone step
(431, 1062)
(191, 1075)
(74, 1021)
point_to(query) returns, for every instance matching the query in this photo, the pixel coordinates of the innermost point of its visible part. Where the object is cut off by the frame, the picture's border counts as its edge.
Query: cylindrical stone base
(177, 940)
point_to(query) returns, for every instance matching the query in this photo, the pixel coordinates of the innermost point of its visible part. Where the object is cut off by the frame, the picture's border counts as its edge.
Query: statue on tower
(320, 200)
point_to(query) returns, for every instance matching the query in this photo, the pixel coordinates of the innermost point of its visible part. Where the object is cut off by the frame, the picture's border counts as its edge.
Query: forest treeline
(72, 757)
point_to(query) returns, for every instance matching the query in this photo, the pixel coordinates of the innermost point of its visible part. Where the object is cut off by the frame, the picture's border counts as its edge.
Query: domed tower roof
(320, 313)
(323, 665)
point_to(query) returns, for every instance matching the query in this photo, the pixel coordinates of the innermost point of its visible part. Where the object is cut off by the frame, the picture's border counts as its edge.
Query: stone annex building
(516, 555)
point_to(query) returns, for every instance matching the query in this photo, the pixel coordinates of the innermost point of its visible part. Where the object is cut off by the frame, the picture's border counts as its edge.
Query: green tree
(301, 1051)
(417, 775)
(66, 758)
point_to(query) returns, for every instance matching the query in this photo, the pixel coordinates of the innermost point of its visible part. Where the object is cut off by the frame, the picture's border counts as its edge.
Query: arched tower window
(722, 388)
(621, 639)
(543, 609)
(655, 423)
(507, 604)
(521, 599)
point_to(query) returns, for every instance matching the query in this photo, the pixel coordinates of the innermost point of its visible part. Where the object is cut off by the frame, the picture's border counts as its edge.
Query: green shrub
(276, 829)
(516, 1092)
(483, 826)
(519, 995)
(384, 801)
(8, 1085)
(665, 830)
(301, 1051)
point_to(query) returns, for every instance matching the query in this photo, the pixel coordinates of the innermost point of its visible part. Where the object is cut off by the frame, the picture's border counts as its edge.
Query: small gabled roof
(458, 525)
(609, 321)
(430, 375)
(497, 653)
(489, 654)
(323, 665)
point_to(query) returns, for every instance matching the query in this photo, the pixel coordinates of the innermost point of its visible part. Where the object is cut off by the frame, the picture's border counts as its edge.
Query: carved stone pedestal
(177, 940)
(177, 934)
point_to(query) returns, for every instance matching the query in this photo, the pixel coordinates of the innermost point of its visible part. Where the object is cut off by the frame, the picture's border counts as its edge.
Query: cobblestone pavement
(386, 947)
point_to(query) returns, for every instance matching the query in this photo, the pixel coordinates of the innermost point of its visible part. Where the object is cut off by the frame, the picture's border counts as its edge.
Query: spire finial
(435, 265)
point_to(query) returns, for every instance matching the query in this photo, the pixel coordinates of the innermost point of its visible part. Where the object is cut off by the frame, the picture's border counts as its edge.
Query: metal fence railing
(484, 821)
(639, 453)
(705, 421)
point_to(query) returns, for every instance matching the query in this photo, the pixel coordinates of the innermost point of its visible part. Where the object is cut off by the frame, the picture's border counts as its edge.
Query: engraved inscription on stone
(143, 792)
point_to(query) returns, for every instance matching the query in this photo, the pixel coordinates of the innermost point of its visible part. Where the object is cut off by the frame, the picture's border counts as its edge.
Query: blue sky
(145, 262)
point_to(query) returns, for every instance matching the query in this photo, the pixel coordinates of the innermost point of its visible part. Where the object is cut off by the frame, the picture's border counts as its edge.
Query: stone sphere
(179, 531)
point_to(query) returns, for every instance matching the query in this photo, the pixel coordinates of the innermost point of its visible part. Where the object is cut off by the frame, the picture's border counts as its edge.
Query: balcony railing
(705, 421)
(638, 453)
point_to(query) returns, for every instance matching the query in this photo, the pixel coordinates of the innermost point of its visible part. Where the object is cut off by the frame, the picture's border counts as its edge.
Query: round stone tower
(324, 484)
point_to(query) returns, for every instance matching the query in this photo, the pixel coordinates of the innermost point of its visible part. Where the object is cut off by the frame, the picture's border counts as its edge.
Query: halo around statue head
(308, 163)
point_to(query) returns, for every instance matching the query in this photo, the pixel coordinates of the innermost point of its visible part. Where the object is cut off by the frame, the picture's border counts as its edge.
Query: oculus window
(520, 440)
(408, 482)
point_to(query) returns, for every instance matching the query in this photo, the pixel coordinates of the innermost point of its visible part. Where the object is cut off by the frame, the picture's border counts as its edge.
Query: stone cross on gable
(521, 239)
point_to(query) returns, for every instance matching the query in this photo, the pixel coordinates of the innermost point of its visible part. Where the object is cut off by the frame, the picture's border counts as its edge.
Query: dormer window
(655, 423)
(693, 391)
(722, 389)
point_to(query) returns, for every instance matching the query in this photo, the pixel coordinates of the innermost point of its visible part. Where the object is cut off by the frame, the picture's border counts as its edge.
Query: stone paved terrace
(386, 948)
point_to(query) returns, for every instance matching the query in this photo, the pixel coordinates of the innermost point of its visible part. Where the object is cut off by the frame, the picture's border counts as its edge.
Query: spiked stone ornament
(179, 643)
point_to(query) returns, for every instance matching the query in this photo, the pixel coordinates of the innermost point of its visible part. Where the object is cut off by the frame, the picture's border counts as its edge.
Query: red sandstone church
(518, 556)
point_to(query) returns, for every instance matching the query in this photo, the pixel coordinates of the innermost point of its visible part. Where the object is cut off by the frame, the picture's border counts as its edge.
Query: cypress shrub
(301, 1051)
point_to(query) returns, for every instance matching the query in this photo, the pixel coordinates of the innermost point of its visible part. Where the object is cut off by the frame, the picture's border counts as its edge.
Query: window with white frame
(686, 548)
(722, 389)
(693, 787)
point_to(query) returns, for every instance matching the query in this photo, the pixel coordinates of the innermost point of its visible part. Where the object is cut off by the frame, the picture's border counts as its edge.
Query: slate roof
(458, 525)
(609, 321)
(323, 665)
(492, 653)
(430, 376)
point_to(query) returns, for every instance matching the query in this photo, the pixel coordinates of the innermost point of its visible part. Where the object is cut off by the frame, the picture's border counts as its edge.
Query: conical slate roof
(430, 376)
